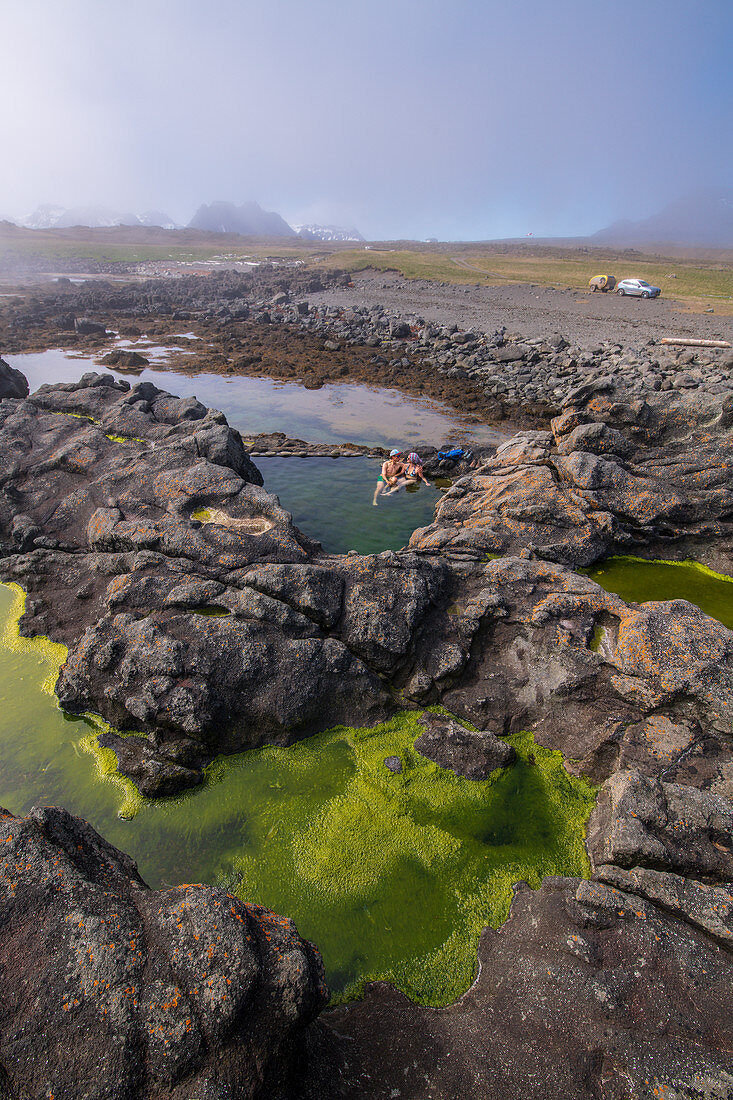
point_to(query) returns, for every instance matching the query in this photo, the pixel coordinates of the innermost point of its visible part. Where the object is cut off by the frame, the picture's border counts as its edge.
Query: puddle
(640, 581)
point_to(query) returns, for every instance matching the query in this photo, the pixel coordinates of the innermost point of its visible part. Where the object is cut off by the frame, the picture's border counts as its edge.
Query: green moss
(124, 438)
(106, 766)
(640, 581)
(43, 658)
(46, 655)
(211, 611)
(203, 515)
(393, 876)
(113, 438)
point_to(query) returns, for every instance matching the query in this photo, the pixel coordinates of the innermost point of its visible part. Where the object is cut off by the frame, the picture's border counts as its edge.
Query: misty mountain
(249, 220)
(700, 218)
(44, 217)
(327, 233)
(49, 216)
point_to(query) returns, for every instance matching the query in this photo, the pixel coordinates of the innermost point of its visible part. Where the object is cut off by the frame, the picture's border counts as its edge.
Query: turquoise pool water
(331, 500)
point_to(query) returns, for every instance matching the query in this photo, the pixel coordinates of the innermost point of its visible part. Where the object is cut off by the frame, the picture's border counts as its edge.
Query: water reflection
(339, 412)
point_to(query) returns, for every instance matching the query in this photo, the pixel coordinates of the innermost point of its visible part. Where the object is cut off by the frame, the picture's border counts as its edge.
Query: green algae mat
(393, 876)
(637, 580)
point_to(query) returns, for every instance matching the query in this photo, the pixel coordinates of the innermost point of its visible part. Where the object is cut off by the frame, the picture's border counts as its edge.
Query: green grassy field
(698, 277)
(697, 282)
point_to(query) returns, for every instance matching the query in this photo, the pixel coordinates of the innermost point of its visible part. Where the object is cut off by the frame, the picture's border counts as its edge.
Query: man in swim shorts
(391, 470)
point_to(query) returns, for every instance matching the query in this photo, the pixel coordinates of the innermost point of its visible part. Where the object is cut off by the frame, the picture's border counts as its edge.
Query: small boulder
(13, 383)
(84, 327)
(474, 754)
(125, 360)
(112, 989)
(394, 764)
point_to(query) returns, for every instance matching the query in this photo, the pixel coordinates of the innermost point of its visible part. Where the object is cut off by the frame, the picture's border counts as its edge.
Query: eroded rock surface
(650, 476)
(196, 612)
(176, 993)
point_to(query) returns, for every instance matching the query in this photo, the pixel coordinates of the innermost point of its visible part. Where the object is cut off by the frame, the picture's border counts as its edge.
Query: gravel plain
(528, 310)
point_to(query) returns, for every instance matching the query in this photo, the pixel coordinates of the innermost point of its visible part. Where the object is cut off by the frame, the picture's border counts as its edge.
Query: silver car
(637, 288)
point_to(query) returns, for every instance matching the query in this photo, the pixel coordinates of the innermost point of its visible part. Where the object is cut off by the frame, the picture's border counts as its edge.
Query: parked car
(638, 288)
(602, 282)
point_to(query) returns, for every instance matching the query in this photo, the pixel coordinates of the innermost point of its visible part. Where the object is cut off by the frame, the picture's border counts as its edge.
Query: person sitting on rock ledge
(391, 470)
(412, 474)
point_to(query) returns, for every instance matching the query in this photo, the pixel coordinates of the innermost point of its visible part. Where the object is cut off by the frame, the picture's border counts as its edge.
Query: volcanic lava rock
(124, 360)
(474, 754)
(610, 685)
(13, 383)
(183, 992)
(587, 991)
(668, 826)
(614, 476)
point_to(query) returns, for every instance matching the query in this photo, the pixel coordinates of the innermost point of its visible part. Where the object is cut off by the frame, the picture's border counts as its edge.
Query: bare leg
(377, 491)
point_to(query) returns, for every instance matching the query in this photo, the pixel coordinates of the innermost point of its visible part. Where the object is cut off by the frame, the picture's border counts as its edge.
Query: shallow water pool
(331, 500)
(341, 412)
(393, 876)
(640, 581)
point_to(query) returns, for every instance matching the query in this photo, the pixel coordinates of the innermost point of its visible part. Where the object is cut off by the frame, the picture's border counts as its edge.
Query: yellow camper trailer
(602, 282)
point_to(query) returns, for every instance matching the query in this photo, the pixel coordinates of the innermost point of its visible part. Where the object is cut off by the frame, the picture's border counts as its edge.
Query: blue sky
(408, 118)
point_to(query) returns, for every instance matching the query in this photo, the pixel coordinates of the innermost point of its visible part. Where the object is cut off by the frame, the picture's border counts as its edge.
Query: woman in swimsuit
(412, 473)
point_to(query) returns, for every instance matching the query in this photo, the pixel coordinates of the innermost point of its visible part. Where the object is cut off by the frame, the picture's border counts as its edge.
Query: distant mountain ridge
(49, 216)
(248, 220)
(699, 218)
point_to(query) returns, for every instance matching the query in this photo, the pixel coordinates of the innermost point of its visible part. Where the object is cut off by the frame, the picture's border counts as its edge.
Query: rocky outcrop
(13, 383)
(650, 477)
(177, 993)
(130, 514)
(195, 612)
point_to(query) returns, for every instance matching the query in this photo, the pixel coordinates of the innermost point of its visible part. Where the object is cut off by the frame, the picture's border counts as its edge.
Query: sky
(455, 119)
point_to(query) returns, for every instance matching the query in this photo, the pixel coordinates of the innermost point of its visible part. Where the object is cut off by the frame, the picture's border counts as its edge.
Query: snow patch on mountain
(327, 233)
(50, 216)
